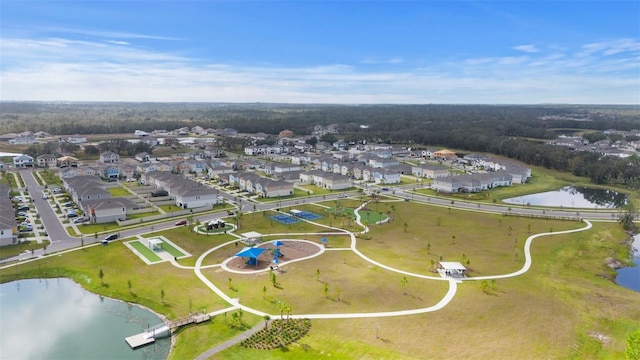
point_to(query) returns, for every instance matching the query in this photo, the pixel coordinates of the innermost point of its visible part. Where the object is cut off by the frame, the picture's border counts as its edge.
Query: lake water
(573, 197)
(629, 277)
(58, 319)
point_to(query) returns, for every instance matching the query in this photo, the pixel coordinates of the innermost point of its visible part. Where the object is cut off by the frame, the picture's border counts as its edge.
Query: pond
(629, 277)
(573, 197)
(58, 319)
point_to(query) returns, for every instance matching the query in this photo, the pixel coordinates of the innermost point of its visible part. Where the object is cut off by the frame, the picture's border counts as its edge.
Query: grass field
(118, 192)
(553, 311)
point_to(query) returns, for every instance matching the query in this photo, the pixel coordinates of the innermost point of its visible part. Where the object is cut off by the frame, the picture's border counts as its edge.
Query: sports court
(285, 219)
(307, 215)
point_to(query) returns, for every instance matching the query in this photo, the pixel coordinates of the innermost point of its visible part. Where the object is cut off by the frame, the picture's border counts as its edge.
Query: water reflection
(573, 197)
(58, 319)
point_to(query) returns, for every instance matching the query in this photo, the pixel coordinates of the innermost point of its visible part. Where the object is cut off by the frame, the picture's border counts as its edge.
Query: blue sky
(461, 52)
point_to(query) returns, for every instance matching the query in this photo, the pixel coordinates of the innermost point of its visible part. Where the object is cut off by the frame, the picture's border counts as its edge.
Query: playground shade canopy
(250, 252)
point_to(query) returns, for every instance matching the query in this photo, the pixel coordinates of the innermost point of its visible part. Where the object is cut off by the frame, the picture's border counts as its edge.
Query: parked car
(22, 213)
(24, 208)
(385, 189)
(56, 191)
(79, 220)
(72, 215)
(181, 223)
(67, 205)
(110, 237)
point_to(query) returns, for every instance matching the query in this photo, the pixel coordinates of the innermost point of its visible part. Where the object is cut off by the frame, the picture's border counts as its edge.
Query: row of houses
(91, 195)
(257, 185)
(8, 224)
(188, 194)
(470, 183)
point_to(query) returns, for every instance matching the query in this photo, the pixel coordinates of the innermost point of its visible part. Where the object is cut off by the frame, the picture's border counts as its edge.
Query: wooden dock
(165, 330)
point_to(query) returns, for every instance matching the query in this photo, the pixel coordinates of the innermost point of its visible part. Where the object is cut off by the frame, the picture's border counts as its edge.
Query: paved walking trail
(453, 284)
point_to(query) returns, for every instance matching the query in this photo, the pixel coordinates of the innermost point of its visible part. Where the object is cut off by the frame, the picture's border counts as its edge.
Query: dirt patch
(290, 250)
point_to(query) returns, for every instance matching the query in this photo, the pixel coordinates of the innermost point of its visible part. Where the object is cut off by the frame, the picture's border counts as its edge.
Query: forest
(517, 132)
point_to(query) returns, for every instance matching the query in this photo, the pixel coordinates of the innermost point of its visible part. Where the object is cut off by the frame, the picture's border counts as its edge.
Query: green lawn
(50, 178)
(90, 229)
(13, 250)
(119, 192)
(549, 312)
(145, 251)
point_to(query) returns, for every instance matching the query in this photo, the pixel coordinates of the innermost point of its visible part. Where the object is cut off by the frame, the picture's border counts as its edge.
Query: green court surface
(146, 252)
(171, 250)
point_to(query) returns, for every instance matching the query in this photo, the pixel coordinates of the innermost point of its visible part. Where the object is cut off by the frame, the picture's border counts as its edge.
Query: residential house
(386, 176)
(276, 168)
(109, 157)
(143, 157)
(383, 163)
(23, 140)
(127, 171)
(23, 161)
(107, 210)
(110, 172)
(335, 182)
(445, 154)
(194, 195)
(76, 139)
(285, 134)
(430, 171)
(272, 189)
(8, 224)
(67, 161)
(46, 161)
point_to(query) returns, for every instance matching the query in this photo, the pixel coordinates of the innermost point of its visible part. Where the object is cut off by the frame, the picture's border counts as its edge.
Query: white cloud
(107, 33)
(117, 42)
(527, 48)
(393, 60)
(62, 69)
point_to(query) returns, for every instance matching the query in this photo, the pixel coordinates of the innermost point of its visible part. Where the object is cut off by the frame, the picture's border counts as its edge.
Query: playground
(287, 251)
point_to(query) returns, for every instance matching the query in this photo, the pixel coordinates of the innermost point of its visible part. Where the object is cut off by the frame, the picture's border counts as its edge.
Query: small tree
(229, 283)
(484, 286)
(274, 280)
(326, 290)
(339, 292)
(405, 226)
(428, 248)
(264, 292)
(129, 285)
(317, 274)
(266, 320)
(404, 282)
(162, 295)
